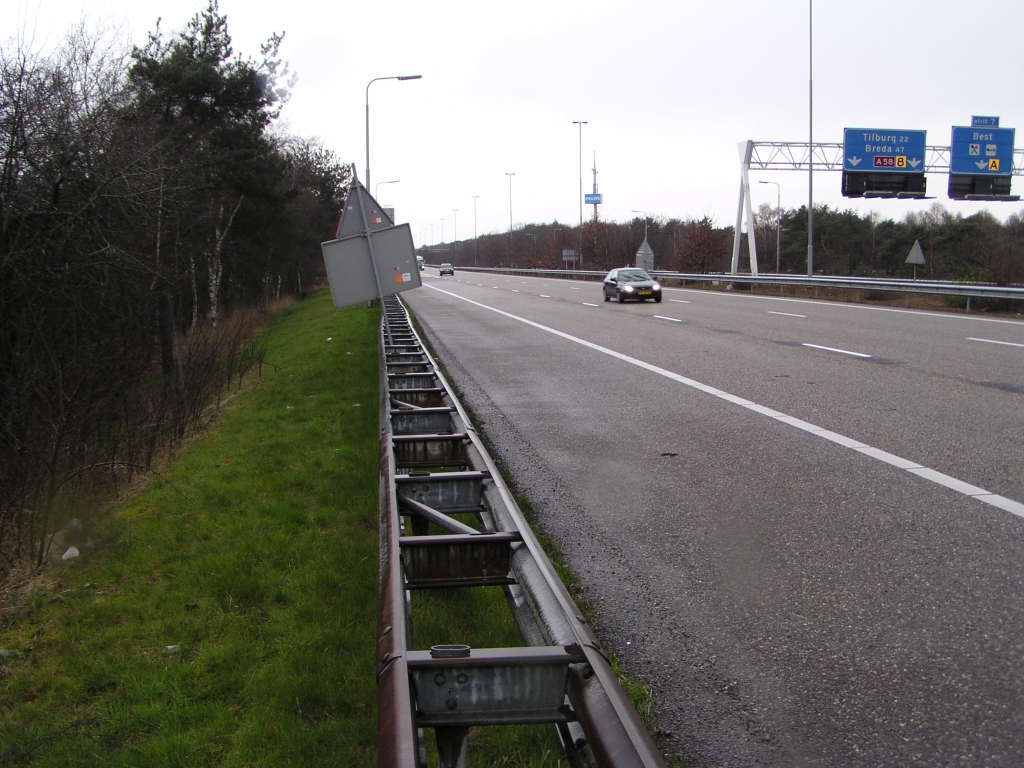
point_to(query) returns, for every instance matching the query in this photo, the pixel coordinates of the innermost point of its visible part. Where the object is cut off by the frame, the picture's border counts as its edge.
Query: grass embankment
(227, 614)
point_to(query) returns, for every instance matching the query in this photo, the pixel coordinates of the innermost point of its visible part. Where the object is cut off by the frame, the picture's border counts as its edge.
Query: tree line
(976, 248)
(148, 208)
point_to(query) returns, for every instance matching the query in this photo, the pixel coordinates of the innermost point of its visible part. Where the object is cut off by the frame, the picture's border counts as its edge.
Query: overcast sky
(667, 88)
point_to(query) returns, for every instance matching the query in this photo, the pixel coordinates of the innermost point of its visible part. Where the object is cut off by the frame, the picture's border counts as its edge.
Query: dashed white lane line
(679, 301)
(673, 319)
(993, 341)
(588, 304)
(515, 290)
(944, 480)
(840, 351)
(544, 296)
(787, 314)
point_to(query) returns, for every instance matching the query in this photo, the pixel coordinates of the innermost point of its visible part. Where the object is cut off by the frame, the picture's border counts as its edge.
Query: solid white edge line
(993, 341)
(934, 476)
(833, 349)
(1014, 507)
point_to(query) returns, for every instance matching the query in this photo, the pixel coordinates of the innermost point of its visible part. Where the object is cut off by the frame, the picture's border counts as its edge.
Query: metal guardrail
(886, 285)
(434, 471)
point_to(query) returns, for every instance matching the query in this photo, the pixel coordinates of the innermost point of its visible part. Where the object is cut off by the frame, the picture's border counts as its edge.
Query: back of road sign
(371, 257)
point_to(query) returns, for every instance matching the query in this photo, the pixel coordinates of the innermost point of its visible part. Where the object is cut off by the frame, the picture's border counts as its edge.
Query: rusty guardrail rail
(433, 468)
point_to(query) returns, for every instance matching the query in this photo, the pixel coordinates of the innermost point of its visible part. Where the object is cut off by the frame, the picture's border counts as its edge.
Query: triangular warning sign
(359, 202)
(916, 254)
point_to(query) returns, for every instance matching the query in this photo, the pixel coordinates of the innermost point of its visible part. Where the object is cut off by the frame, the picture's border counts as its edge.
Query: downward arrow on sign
(982, 165)
(854, 161)
(914, 163)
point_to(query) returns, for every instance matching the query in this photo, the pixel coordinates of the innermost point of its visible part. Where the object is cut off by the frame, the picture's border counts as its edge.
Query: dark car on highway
(630, 283)
(446, 269)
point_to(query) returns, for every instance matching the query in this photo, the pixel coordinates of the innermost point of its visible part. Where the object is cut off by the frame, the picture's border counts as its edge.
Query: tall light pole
(442, 231)
(810, 139)
(376, 189)
(645, 221)
(476, 243)
(778, 221)
(581, 123)
(393, 77)
(455, 237)
(510, 175)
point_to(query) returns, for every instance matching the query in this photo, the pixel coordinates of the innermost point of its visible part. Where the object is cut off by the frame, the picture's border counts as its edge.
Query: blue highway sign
(592, 198)
(982, 151)
(883, 150)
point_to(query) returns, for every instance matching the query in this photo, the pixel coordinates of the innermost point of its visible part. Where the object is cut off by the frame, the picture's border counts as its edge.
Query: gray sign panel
(350, 270)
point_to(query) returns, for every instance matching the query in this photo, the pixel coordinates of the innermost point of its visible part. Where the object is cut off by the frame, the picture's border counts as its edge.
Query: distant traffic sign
(592, 198)
(977, 121)
(883, 150)
(982, 151)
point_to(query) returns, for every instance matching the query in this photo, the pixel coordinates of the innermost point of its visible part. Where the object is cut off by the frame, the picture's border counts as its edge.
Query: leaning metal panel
(562, 677)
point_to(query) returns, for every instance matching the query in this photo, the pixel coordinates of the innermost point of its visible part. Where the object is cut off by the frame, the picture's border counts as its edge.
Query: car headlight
(655, 287)
(627, 288)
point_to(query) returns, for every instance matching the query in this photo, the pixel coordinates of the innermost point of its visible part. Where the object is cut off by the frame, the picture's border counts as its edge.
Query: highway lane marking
(588, 304)
(680, 301)
(840, 351)
(573, 288)
(787, 314)
(820, 303)
(673, 319)
(925, 473)
(544, 296)
(993, 341)
(515, 290)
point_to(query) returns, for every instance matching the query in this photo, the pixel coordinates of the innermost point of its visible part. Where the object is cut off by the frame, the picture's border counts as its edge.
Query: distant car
(447, 269)
(630, 283)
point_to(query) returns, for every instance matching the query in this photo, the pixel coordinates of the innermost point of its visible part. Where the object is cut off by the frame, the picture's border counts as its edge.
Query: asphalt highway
(801, 523)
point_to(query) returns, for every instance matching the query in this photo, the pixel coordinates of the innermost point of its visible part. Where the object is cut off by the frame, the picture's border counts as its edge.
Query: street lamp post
(455, 236)
(510, 175)
(476, 243)
(645, 221)
(778, 221)
(581, 123)
(394, 77)
(376, 189)
(810, 139)
(442, 231)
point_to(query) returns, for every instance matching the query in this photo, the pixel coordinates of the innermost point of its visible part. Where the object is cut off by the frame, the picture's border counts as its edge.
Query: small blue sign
(592, 198)
(982, 151)
(978, 121)
(883, 150)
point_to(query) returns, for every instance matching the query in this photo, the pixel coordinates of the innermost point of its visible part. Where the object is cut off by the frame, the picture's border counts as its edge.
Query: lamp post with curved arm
(376, 188)
(393, 77)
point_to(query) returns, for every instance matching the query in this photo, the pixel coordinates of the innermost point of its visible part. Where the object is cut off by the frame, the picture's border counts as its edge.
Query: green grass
(256, 562)
(227, 614)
